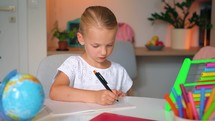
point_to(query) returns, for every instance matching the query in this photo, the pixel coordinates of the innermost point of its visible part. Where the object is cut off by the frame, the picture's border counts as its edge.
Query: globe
(22, 97)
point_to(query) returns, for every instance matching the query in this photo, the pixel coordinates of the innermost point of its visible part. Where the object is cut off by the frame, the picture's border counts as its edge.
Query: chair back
(48, 68)
(124, 54)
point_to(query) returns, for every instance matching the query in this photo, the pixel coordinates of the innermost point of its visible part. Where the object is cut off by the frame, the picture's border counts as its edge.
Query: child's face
(99, 43)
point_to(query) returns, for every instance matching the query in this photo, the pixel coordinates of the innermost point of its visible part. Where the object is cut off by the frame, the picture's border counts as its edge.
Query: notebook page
(68, 108)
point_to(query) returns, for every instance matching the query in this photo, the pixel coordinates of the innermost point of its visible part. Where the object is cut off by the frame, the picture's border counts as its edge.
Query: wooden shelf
(139, 51)
(53, 51)
(167, 51)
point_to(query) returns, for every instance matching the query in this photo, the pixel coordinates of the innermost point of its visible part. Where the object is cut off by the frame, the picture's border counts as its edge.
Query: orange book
(117, 117)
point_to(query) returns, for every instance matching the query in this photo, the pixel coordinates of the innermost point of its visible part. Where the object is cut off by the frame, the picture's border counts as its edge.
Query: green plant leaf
(172, 17)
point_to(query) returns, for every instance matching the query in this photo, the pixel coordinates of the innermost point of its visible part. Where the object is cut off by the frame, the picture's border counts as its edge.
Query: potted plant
(179, 17)
(63, 36)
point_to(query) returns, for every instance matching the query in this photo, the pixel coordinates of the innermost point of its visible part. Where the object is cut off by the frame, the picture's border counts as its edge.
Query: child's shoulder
(116, 65)
(73, 59)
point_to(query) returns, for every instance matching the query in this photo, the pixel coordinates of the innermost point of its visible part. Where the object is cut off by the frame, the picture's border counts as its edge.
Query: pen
(103, 81)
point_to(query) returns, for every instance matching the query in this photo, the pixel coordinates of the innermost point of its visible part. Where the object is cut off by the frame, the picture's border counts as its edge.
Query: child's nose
(104, 51)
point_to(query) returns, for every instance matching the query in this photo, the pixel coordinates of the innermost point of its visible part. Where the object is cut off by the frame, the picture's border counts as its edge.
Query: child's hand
(106, 97)
(120, 93)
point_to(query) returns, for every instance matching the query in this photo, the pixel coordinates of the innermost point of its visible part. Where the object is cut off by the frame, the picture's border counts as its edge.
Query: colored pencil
(172, 105)
(199, 91)
(190, 112)
(210, 100)
(202, 103)
(180, 107)
(208, 86)
(209, 69)
(209, 112)
(212, 116)
(195, 113)
(204, 74)
(198, 95)
(174, 93)
(184, 93)
(210, 65)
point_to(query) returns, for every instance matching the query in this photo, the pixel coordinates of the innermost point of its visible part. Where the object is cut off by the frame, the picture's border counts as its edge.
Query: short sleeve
(69, 66)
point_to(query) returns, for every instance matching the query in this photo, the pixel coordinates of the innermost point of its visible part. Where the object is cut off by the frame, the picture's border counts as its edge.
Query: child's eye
(109, 45)
(95, 46)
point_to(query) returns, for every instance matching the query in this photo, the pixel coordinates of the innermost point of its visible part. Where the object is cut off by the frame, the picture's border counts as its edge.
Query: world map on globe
(22, 97)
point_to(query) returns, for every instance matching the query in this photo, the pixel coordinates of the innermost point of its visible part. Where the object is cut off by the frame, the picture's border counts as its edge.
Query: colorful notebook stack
(193, 94)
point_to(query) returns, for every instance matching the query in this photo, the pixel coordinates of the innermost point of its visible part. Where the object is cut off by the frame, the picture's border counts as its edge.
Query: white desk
(149, 108)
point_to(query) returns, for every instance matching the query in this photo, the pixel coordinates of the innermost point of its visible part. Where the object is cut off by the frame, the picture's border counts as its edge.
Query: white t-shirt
(81, 75)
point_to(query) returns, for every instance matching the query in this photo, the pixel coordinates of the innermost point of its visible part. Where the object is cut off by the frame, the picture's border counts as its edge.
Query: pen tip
(94, 71)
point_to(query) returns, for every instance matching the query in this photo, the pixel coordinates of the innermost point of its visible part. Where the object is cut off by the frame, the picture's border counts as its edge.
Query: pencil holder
(176, 118)
(193, 93)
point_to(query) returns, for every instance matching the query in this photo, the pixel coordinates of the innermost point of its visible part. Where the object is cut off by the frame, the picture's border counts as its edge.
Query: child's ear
(80, 38)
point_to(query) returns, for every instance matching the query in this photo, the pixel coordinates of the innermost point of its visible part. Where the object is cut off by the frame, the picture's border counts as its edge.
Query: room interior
(164, 64)
(34, 39)
(25, 30)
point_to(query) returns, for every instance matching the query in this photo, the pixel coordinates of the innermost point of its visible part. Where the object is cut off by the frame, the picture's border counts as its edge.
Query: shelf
(139, 51)
(53, 51)
(167, 51)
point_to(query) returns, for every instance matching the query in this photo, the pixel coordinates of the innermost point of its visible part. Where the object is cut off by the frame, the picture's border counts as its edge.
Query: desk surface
(148, 108)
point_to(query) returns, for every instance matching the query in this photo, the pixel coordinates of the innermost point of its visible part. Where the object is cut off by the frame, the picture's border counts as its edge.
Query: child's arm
(60, 90)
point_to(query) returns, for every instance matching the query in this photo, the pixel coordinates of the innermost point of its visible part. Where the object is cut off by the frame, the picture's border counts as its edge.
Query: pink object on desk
(117, 117)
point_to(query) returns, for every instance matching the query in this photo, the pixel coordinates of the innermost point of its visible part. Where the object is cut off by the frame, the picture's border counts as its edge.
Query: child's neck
(103, 65)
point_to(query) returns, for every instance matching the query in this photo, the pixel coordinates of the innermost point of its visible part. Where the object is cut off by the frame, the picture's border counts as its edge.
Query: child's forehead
(100, 30)
(93, 28)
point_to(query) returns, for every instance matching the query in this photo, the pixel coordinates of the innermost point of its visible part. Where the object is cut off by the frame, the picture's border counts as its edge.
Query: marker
(210, 65)
(208, 86)
(209, 69)
(180, 107)
(210, 100)
(171, 103)
(103, 81)
(204, 74)
(202, 103)
(184, 94)
(195, 113)
(209, 112)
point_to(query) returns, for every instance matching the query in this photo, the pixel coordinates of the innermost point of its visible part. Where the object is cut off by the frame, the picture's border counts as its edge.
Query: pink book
(117, 117)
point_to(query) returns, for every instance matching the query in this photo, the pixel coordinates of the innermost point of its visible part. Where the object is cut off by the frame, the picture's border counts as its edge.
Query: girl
(75, 80)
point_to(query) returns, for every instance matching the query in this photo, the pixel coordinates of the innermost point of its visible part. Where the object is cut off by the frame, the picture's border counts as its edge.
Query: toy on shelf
(192, 95)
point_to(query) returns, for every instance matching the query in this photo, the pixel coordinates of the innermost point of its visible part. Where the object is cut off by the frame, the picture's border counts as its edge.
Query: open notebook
(67, 108)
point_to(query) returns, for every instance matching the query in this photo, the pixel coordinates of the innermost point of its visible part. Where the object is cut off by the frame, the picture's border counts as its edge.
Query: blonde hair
(97, 16)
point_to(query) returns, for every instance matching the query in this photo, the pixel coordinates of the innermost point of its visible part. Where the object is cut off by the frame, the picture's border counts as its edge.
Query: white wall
(133, 12)
(36, 27)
